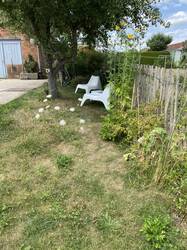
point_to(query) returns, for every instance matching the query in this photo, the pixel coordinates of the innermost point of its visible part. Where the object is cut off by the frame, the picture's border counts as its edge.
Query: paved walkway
(12, 89)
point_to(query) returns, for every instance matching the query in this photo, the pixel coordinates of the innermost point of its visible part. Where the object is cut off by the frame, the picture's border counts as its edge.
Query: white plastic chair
(100, 96)
(94, 83)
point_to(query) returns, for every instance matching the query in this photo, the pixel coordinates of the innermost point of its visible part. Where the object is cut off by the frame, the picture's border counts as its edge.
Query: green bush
(88, 63)
(127, 127)
(30, 65)
(159, 42)
(151, 147)
(79, 80)
(159, 233)
(63, 161)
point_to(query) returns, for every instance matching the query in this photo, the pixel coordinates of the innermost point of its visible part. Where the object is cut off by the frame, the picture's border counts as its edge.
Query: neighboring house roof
(176, 46)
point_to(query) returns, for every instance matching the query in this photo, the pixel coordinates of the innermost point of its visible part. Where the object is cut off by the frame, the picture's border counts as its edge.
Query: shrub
(151, 147)
(159, 42)
(127, 127)
(30, 65)
(89, 63)
(159, 233)
(79, 80)
(63, 161)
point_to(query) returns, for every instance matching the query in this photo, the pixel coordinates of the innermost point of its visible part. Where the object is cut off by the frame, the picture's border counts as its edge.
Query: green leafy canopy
(159, 42)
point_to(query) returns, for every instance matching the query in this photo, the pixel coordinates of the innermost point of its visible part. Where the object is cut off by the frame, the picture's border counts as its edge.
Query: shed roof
(176, 46)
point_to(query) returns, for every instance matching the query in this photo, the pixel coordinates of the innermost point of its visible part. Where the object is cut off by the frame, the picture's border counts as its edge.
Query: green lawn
(62, 188)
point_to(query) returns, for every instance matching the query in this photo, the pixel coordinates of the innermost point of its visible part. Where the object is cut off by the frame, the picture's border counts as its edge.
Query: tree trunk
(52, 79)
(52, 84)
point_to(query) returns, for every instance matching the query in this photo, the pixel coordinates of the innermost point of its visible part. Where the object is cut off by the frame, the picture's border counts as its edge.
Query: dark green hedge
(89, 63)
(155, 57)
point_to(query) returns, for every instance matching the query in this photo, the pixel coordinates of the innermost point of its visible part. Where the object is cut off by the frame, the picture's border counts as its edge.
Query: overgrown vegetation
(168, 171)
(154, 156)
(128, 126)
(159, 233)
(30, 65)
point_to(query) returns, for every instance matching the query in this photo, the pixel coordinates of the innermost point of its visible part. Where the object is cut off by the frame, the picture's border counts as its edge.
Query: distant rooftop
(176, 46)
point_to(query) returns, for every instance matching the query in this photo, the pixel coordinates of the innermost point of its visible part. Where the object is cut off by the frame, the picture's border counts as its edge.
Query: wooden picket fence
(169, 86)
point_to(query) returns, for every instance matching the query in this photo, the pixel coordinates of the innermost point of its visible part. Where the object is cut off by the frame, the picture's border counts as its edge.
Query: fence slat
(154, 83)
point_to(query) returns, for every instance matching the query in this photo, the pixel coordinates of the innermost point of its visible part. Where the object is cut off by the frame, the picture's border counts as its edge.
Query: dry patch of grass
(63, 188)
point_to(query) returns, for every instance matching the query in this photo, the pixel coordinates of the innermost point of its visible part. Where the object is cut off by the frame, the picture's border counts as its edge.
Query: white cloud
(179, 17)
(178, 2)
(183, 1)
(179, 35)
(164, 1)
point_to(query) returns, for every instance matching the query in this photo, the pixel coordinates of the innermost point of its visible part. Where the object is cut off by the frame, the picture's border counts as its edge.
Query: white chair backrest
(106, 91)
(94, 81)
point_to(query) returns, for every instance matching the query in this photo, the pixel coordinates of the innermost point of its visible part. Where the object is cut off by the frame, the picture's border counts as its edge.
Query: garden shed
(14, 50)
(176, 51)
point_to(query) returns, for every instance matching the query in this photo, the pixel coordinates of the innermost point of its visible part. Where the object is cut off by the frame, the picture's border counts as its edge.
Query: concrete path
(12, 89)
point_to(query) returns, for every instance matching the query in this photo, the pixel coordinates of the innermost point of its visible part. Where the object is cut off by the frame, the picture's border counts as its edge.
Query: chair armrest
(97, 91)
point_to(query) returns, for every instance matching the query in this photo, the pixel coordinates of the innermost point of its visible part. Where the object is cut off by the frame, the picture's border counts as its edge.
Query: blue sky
(173, 11)
(176, 13)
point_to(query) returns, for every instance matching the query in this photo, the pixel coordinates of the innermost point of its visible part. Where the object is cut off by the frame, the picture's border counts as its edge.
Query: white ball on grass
(72, 109)
(45, 100)
(41, 110)
(82, 121)
(57, 108)
(81, 129)
(37, 116)
(49, 96)
(62, 122)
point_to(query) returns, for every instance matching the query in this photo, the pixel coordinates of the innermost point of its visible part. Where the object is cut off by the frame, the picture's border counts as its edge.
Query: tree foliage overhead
(58, 24)
(159, 42)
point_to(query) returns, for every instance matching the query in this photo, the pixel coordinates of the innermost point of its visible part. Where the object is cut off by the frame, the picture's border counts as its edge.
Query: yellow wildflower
(123, 24)
(138, 30)
(117, 28)
(130, 36)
